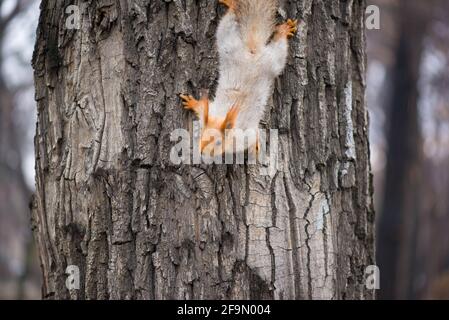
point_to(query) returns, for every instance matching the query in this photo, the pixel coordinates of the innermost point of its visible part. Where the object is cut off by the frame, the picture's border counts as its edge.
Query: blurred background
(19, 266)
(408, 94)
(408, 101)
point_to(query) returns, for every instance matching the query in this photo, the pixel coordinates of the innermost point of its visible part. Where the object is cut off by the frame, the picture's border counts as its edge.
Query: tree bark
(110, 201)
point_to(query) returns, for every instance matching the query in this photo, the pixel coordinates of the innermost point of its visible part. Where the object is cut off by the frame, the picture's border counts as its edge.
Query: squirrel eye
(218, 142)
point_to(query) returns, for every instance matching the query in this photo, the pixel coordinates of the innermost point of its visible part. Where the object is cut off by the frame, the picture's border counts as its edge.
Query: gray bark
(110, 201)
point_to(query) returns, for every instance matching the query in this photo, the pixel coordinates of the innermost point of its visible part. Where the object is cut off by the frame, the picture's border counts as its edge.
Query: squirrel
(252, 53)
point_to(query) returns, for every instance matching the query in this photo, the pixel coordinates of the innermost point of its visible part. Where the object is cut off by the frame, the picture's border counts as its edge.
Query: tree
(403, 206)
(16, 246)
(110, 201)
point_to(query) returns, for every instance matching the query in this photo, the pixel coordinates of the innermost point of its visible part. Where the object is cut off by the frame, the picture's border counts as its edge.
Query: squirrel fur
(252, 53)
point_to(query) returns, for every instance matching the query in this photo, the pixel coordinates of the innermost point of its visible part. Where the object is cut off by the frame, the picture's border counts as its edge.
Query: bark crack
(307, 243)
(268, 233)
(294, 238)
(245, 218)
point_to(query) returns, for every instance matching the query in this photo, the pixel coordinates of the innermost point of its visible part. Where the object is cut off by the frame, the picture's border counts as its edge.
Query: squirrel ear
(231, 118)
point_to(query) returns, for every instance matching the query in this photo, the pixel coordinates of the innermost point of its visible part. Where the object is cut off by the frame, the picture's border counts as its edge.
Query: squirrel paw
(228, 3)
(287, 29)
(190, 103)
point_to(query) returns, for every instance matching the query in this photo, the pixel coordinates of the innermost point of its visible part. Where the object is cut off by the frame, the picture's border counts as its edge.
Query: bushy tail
(257, 20)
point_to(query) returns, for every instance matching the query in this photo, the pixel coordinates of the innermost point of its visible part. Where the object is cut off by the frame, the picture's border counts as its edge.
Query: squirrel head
(213, 138)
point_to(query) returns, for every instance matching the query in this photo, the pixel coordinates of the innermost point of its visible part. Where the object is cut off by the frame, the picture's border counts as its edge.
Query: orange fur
(229, 3)
(231, 118)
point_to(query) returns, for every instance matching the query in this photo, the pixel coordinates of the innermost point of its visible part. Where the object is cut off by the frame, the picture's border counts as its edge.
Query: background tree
(17, 269)
(110, 201)
(412, 249)
(401, 208)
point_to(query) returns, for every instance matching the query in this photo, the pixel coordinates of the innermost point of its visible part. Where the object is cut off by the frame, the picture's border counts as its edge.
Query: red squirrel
(252, 53)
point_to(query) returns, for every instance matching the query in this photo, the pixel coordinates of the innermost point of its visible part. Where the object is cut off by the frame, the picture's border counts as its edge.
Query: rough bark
(110, 201)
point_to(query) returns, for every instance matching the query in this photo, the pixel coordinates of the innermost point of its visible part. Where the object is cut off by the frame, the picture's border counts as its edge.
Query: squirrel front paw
(190, 103)
(287, 29)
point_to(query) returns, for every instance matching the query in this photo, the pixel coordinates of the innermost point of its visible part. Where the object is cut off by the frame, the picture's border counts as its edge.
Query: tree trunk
(110, 201)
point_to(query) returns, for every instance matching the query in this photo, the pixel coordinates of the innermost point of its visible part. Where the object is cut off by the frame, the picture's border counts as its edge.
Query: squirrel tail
(257, 20)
